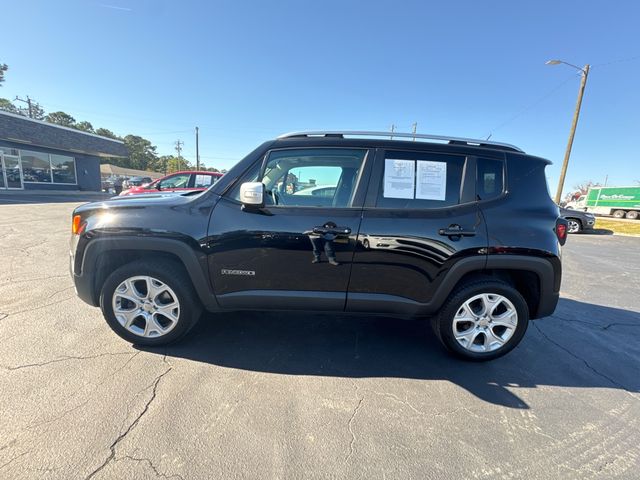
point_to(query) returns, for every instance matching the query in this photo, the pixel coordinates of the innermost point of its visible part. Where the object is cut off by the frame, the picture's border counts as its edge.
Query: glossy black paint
(391, 260)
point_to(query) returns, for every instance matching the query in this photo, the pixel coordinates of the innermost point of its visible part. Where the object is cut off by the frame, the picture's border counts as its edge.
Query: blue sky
(245, 71)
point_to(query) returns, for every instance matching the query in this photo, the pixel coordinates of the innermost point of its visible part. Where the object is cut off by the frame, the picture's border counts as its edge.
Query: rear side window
(420, 180)
(490, 178)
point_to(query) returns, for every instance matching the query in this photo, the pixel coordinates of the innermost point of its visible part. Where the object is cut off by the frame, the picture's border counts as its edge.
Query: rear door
(420, 218)
(295, 253)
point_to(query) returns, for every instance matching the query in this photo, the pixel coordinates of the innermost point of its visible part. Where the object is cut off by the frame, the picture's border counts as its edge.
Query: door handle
(456, 231)
(332, 230)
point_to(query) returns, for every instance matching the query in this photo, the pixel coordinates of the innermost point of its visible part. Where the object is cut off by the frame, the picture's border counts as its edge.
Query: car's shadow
(582, 345)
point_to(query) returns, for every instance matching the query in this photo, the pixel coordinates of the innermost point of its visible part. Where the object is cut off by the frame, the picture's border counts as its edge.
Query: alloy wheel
(573, 226)
(145, 306)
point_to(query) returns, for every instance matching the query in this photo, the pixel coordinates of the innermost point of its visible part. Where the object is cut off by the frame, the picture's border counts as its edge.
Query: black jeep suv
(427, 229)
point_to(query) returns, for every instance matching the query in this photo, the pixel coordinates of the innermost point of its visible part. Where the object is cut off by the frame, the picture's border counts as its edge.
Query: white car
(318, 191)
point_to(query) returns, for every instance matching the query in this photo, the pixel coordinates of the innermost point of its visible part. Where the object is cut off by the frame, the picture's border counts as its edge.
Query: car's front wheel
(149, 304)
(482, 320)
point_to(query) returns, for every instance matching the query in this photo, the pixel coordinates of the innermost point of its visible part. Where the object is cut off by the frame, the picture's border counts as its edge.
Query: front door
(300, 246)
(11, 175)
(420, 219)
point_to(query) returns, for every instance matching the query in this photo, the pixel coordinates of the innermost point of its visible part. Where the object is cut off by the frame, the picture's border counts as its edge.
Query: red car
(177, 182)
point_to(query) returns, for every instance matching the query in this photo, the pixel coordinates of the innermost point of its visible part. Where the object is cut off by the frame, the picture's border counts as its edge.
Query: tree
(61, 118)
(171, 164)
(3, 69)
(105, 132)
(584, 187)
(84, 126)
(142, 154)
(7, 106)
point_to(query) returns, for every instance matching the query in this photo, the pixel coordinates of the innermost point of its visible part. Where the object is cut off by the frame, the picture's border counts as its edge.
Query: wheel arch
(537, 280)
(104, 255)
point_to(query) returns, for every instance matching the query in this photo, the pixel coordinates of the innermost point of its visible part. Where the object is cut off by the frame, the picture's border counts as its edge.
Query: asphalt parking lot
(305, 396)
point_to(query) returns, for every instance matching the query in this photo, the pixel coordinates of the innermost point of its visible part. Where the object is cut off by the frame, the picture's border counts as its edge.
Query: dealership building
(37, 155)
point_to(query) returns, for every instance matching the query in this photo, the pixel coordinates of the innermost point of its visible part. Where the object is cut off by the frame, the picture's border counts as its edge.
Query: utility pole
(28, 102)
(415, 127)
(197, 151)
(393, 129)
(583, 82)
(179, 144)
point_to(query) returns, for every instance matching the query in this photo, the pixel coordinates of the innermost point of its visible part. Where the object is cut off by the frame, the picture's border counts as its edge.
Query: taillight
(76, 225)
(561, 230)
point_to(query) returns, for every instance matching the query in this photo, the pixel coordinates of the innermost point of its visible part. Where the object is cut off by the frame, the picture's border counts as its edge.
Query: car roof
(199, 172)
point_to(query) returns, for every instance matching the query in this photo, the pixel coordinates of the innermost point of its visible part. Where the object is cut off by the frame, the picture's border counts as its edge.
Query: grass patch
(628, 227)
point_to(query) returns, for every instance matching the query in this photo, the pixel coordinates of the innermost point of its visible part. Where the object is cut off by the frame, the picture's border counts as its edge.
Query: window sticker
(432, 180)
(399, 178)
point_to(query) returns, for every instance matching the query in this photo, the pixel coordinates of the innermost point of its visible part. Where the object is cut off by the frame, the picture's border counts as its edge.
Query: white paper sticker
(399, 178)
(432, 180)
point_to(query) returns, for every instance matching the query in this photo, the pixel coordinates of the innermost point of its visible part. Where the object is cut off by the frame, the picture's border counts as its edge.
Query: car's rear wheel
(482, 320)
(149, 304)
(619, 214)
(632, 214)
(574, 225)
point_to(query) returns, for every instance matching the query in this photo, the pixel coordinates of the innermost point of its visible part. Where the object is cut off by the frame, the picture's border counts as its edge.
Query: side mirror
(158, 186)
(252, 194)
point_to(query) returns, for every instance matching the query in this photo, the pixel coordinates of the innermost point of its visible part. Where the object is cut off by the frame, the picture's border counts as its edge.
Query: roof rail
(413, 136)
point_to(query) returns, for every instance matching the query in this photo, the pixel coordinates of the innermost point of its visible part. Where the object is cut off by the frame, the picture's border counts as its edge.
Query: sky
(247, 71)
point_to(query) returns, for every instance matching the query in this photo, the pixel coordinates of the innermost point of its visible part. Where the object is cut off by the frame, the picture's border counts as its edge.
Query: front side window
(420, 180)
(291, 177)
(177, 181)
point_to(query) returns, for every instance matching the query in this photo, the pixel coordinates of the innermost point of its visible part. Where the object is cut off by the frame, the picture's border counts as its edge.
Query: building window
(9, 151)
(63, 169)
(35, 166)
(40, 167)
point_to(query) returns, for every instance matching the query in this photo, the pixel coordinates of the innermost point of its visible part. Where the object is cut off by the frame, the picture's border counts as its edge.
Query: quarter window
(419, 180)
(490, 178)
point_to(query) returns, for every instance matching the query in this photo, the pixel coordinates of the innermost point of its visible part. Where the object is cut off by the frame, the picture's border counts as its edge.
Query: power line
(530, 106)
(622, 60)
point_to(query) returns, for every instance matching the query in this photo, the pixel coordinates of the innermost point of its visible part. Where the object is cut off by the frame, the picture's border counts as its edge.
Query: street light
(584, 72)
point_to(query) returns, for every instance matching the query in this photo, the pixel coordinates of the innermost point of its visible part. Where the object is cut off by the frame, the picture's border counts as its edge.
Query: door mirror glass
(252, 194)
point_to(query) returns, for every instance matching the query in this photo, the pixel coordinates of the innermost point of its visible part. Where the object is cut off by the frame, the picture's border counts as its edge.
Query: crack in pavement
(132, 425)
(66, 358)
(14, 282)
(151, 465)
(352, 443)
(587, 364)
(598, 325)
(14, 459)
(41, 306)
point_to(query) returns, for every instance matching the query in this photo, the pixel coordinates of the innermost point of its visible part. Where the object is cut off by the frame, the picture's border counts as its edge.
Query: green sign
(614, 197)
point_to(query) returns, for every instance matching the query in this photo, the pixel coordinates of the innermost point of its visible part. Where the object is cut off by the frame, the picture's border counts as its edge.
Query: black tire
(632, 214)
(443, 324)
(574, 225)
(619, 214)
(171, 274)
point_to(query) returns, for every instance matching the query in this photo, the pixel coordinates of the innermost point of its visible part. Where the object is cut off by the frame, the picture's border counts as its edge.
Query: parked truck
(616, 201)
